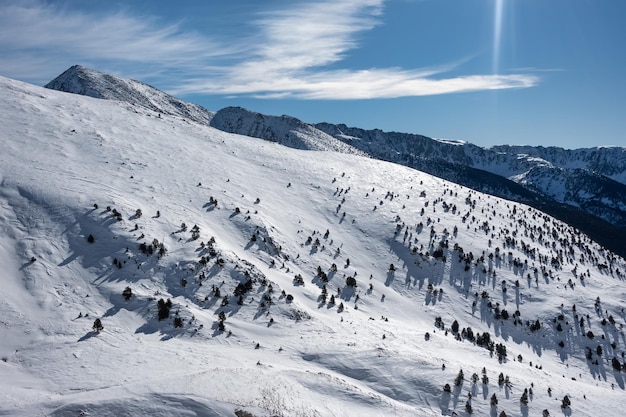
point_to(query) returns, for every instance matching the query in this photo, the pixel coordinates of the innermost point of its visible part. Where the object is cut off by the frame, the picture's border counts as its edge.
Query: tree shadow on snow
(26, 265)
(619, 379)
(389, 279)
(87, 336)
(524, 410)
(347, 293)
(444, 403)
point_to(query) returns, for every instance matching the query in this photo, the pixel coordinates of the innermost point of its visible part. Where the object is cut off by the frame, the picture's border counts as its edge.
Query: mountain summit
(88, 82)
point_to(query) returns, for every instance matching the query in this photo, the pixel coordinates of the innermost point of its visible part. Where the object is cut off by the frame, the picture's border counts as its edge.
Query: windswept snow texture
(301, 283)
(88, 82)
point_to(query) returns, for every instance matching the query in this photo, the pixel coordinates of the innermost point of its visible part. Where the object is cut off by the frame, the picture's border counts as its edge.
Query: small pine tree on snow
(494, 400)
(565, 403)
(502, 414)
(127, 293)
(459, 378)
(545, 413)
(164, 308)
(447, 388)
(178, 322)
(615, 364)
(468, 407)
(90, 238)
(97, 326)
(455, 326)
(524, 398)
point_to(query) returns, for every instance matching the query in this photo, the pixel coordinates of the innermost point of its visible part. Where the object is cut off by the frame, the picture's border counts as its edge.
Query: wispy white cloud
(35, 35)
(294, 53)
(297, 46)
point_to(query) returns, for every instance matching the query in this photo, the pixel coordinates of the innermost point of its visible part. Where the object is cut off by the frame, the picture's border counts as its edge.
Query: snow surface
(64, 153)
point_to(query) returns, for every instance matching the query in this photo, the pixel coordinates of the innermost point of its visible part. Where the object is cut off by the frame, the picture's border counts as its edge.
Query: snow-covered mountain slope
(88, 82)
(301, 283)
(286, 130)
(584, 179)
(584, 187)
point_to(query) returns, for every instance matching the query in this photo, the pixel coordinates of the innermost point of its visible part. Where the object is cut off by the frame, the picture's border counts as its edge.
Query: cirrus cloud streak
(292, 53)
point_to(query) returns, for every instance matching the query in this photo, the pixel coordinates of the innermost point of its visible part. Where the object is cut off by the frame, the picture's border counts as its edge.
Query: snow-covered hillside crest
(286, 130)
(327, 272)
(590, 182)
(88, 82)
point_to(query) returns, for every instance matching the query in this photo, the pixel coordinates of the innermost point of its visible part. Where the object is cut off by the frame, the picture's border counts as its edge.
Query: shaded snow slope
(266, 229)
(88, 82)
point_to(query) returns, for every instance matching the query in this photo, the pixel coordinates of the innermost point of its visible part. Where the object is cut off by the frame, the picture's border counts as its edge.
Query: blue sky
(536, 72)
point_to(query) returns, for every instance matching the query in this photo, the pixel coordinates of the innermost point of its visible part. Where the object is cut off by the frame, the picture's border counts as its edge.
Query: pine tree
(127, 293)
(566, 402)
(97, 326)
(459, 378)
(455, 326)
(164, 308)
(524, 398)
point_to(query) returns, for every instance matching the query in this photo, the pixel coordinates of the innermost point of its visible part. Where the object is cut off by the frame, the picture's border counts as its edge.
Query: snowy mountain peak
(88, 82)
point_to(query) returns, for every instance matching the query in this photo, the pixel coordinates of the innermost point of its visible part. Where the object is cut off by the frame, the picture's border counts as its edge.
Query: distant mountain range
(583, 187)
